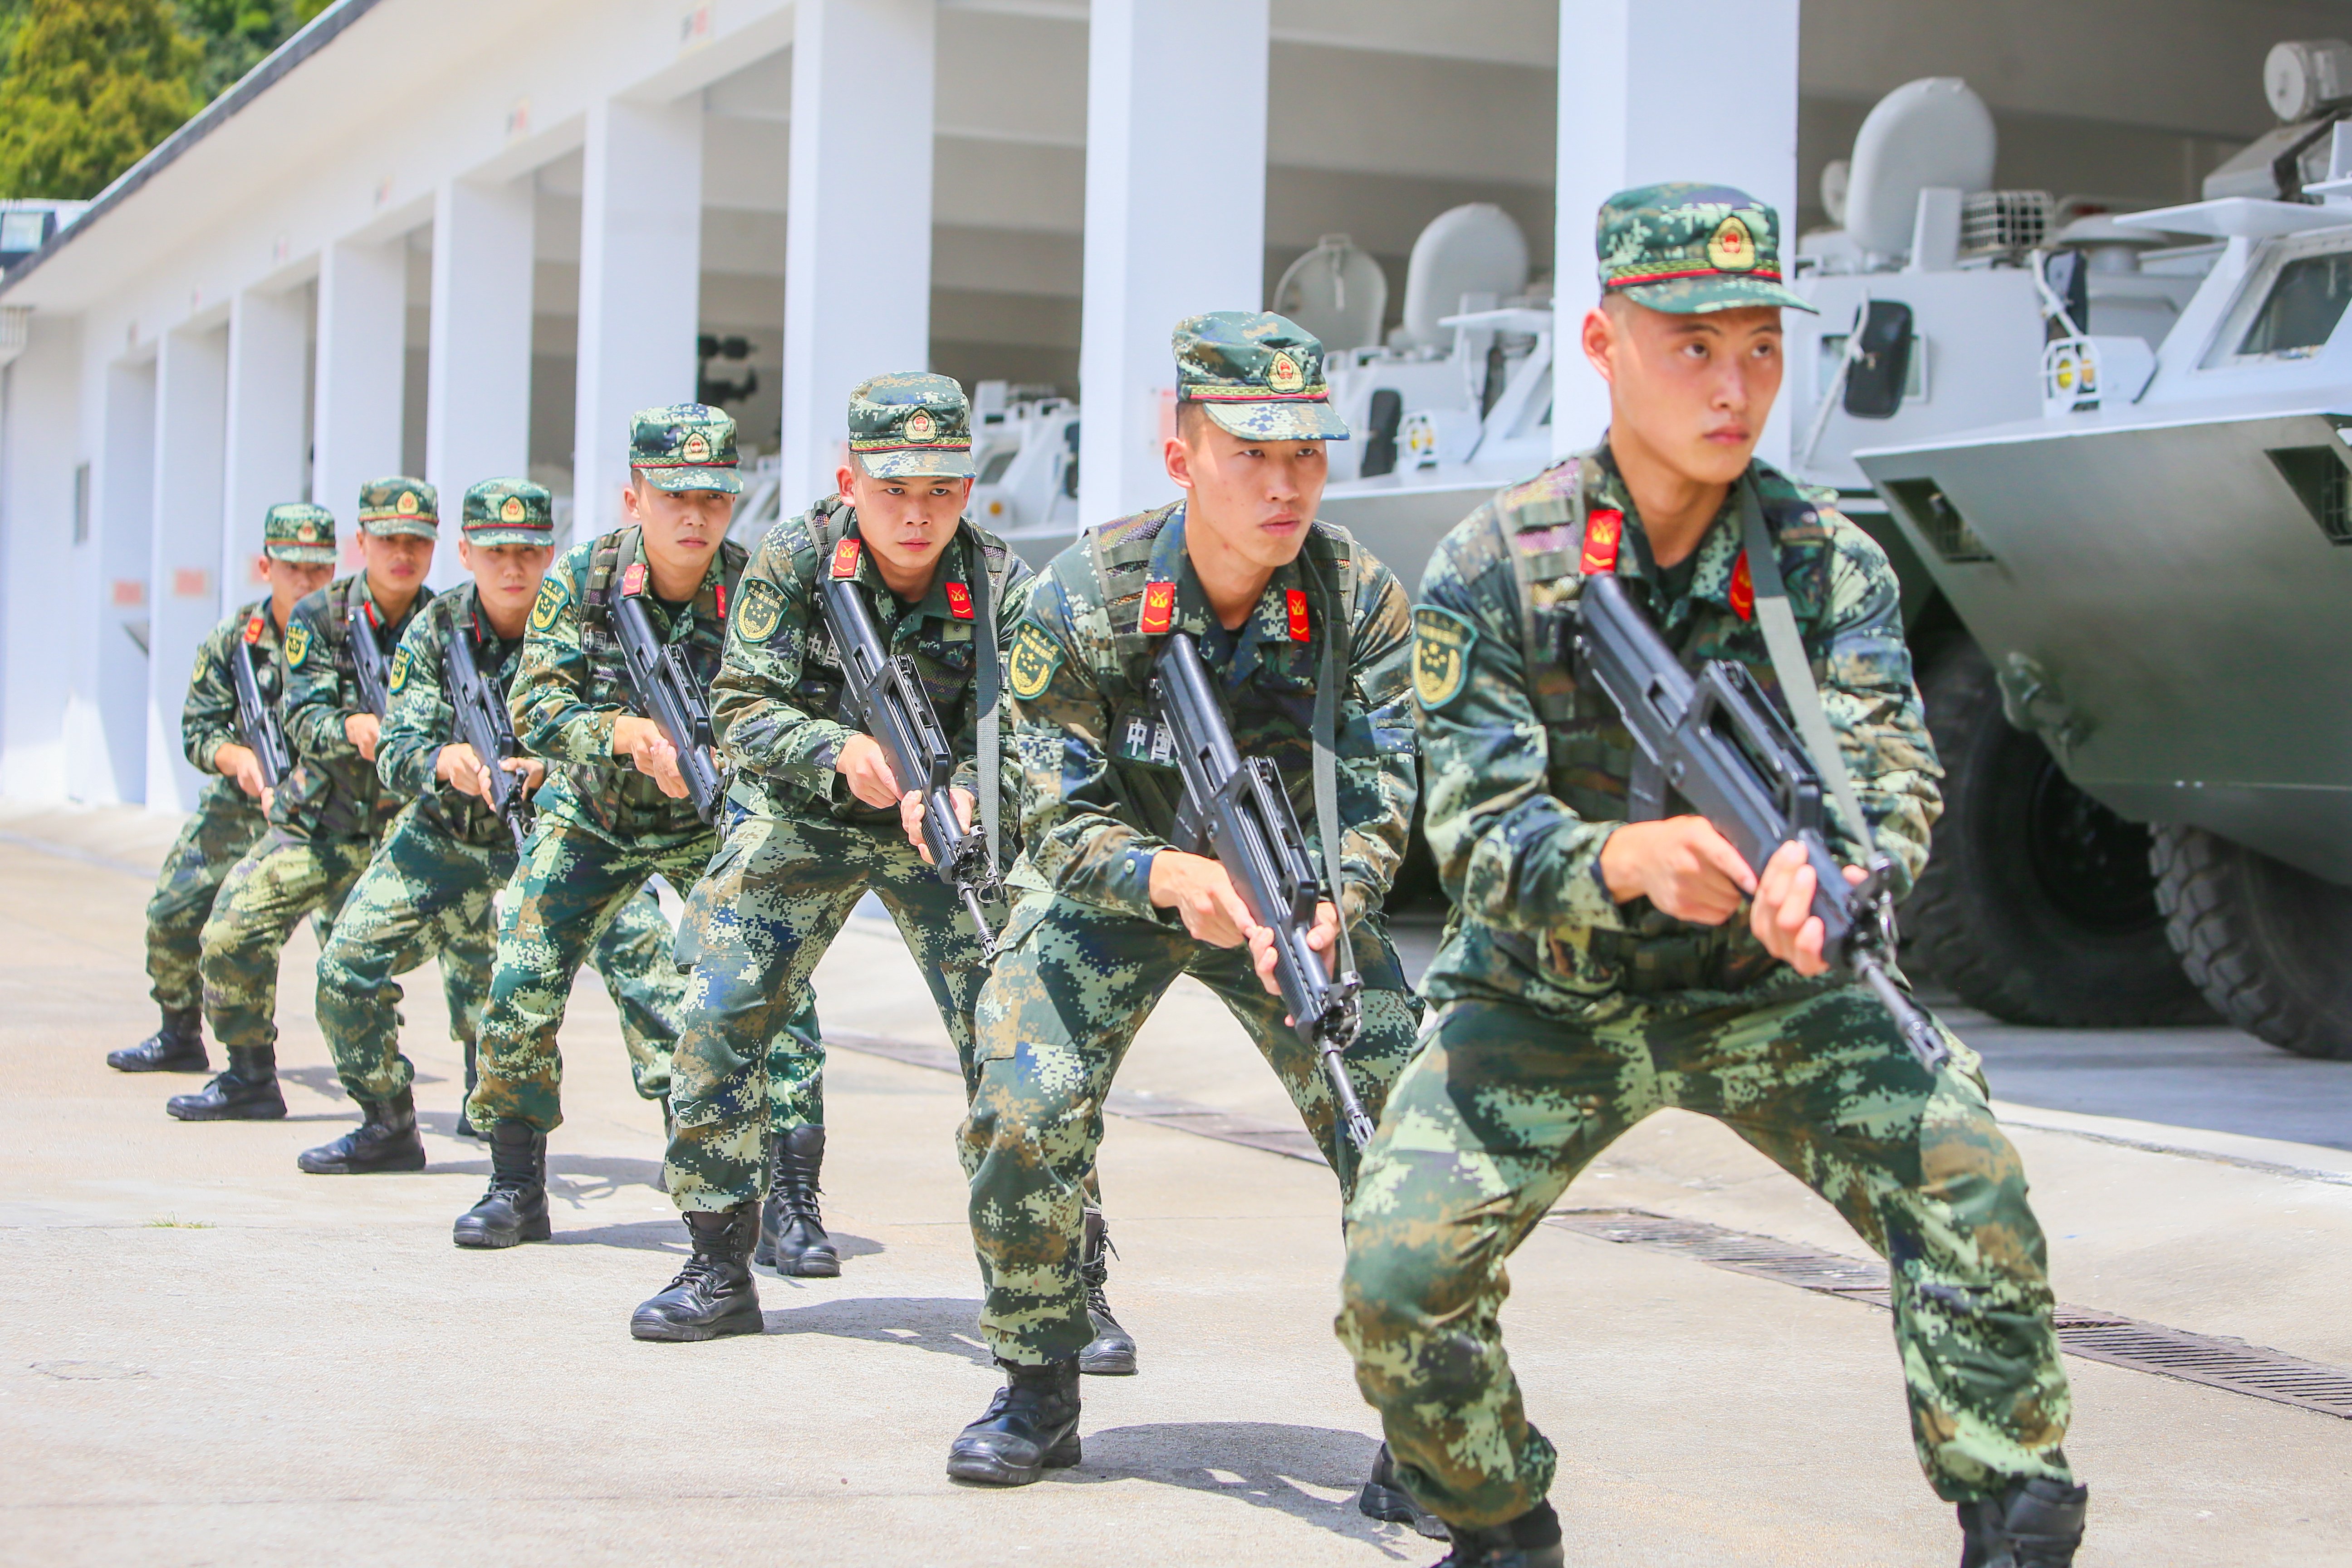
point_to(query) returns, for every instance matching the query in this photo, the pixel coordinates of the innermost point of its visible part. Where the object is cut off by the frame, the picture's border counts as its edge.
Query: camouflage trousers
(756, 925)
(428, 894)
(213, 840)
(280, 879)
(1504, 1106)
(1071, 985)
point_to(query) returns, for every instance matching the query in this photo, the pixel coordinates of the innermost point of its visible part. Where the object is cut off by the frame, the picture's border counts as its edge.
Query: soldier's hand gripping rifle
(257, 721)
(884, 697)
(1235, 808)
(368, 658)
(1716, 738)
(484, 724)
(670, 696)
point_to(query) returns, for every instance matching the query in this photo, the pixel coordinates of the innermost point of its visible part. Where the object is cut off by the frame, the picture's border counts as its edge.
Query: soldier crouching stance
(1109, 912)
(616, 810)
(1597, 968)
(298, 557)
(430, 889)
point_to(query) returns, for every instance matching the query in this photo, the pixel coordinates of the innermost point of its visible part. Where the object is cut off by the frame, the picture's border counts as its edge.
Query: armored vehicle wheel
(2037, 905)
(2264, 942)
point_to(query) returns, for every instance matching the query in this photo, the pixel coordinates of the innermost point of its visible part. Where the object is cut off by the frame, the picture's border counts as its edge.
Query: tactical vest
(602, 649)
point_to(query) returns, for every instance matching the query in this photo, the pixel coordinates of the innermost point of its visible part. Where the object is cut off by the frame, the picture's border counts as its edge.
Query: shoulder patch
(1441, 654)
(552, 597)
(399, 669)
(761, 612)
(1031, 669)
(298, 643)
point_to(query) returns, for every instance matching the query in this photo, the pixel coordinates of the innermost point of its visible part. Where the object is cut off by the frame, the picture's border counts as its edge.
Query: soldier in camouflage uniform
(298, 556)
(1596, 970)
(327, 817)
(615, 811)
(430, 889)
(1109, 913)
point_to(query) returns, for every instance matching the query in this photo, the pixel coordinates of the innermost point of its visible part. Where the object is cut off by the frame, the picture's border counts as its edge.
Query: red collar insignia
(632, 581)
(1295, 599)
(253, 627)
(1602, 532)
(960, 601)
(1743, 590)
(844, 559)
(1159, 608)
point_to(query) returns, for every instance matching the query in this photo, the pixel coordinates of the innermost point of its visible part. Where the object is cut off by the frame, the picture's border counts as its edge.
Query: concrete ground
(207, 1356)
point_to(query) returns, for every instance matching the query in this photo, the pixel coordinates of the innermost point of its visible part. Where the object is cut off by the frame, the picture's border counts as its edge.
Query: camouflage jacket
(1100, 790)
(208, 716)
(777, 702)
(573, 682)
(332, 792)
(420, 717)
(1528, 770)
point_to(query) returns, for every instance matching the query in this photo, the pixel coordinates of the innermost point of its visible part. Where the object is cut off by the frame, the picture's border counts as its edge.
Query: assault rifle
(368, 658)
(484, 724)
(1717, 739)
(670, 696)
(1235, 808)
(257, 721)
(884, 697)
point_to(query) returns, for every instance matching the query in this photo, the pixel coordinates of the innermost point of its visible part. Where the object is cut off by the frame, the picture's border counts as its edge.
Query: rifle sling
(1325, 726)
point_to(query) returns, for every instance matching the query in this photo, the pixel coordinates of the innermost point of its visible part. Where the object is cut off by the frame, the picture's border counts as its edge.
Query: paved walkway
(207, 1357)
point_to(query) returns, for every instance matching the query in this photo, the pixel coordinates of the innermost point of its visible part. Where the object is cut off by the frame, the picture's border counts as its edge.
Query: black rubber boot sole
(539, 1228)
(1098, 1359)
(318, 1162)
(1393, 1505)
(189, 1108)
(646, 1325)
(136, 1059)
(807, 1266)
(988, 1468)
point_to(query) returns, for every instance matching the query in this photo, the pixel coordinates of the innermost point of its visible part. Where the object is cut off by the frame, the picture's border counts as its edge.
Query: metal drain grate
(2093, 1335)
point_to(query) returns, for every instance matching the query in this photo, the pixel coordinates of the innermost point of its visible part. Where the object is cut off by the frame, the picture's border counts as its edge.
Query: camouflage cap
(400, 505)
(684, 446)
(1689, 248)
(508, 511)
(1256, 374)
(911, 425)
(298, 532)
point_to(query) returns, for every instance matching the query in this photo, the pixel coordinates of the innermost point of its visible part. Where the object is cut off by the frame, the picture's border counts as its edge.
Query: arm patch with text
(1441, 655)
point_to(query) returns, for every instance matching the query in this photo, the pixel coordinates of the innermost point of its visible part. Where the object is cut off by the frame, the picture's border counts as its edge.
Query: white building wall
(49, 628)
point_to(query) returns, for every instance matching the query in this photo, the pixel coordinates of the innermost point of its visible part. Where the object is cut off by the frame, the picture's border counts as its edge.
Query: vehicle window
(993, 469)
(2302, 307)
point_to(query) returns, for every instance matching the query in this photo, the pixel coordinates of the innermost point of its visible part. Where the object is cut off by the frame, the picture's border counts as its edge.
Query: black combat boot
(1031, 1427)
(466, 1128)
(797, 1243)
(247, 1091)
(1385, 1498)
(514, 1209)
(714, 1293)
(1530, 1540)
(2031, 1524)
(385, 1139)
(177, 1047)
(1111, 1352)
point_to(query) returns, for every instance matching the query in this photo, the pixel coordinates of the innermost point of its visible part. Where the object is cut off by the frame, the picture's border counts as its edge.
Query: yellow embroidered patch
(549, 606)
(1441, 655)
(1034, 656)
(399, 669)
(762, 613)
(298, 643)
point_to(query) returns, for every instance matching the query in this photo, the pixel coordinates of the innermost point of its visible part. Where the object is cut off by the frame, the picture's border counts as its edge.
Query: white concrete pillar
(640, 287)
(363, 367)
(268, 338)
(1162, 242)
(857, 245)
(183, 595)
(1728, 68)
(478, 383)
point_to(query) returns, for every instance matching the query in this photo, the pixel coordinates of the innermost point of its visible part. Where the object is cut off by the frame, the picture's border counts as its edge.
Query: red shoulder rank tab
(1743, 590)
(1603, 529)
(1296, 603)
(844, 559)
(253, 627)
(960, 601)
(1159, 608)
(632, 581)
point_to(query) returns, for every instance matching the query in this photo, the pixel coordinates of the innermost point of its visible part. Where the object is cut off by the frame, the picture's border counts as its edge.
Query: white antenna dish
(2300, 79)
(1335, 291)
(1932, 131)
(1472, 249)
(1837, 179)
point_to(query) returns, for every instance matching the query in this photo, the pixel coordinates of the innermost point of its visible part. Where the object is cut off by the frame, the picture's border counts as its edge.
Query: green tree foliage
(238, 35)
(90, 86)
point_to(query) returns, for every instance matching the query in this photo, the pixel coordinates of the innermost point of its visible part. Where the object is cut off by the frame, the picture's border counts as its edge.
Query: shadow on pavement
(638, 1236)
(1262, 1463)
(945, 1325)
(318, 1080)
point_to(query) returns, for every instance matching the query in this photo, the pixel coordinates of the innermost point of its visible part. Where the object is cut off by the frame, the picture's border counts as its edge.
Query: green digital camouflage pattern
(1504, 1105)
(278, 881)
(210, 843)
(1690, 249)
(508, 511)
(1071, 985)
(911, 424)
(419, 719)
(333, 793)
(208, 715)
(429, 894)
(573, 683)
(1258, 374)
(400, 505)
(300, 532)
(756, 924)
(684, 446)
(1518, 809)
